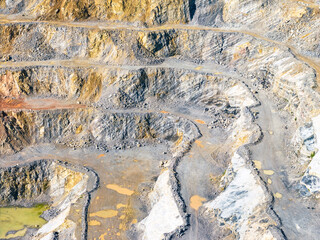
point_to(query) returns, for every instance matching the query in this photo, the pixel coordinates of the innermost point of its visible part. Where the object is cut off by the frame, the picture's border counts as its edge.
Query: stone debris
(161, 119)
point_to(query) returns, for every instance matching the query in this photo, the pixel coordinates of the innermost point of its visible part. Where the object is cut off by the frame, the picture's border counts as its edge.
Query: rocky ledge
(161, 119)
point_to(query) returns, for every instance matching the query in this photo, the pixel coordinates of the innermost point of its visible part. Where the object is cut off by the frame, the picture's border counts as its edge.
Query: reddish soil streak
(36, 104)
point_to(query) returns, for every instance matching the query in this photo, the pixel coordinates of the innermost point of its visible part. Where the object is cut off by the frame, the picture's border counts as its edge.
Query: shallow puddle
(16, 219)
(196, 202)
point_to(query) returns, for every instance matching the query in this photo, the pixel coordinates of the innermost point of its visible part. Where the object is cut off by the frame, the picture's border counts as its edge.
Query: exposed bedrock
(63, 186)
(124, 88)
(293, 22)
(90, 127)
(220, 96)
(272, 65)
(162, 99)
(224, 99)
(141, 12)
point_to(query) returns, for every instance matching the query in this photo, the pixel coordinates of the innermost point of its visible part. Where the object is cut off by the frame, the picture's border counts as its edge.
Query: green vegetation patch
(17, 219)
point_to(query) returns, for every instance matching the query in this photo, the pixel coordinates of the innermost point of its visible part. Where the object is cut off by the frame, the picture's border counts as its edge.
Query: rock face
(54, 182)
(164, 217)
(149, 12)
(185, 119)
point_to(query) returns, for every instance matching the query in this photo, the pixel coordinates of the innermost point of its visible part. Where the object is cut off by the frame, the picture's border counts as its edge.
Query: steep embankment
(199, 117)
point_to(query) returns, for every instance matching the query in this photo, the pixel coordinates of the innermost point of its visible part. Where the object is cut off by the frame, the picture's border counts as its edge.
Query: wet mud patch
(14, 221)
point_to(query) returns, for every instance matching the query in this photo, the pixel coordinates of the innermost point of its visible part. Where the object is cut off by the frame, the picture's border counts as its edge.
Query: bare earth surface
(162, 119)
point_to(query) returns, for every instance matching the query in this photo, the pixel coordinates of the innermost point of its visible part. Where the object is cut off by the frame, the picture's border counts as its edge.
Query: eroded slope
(200, 118)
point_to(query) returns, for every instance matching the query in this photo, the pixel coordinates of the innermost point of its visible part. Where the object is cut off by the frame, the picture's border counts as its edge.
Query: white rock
(314, 166)
(240, 96)
(164, 216)
(53, 224)
(243, 198)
